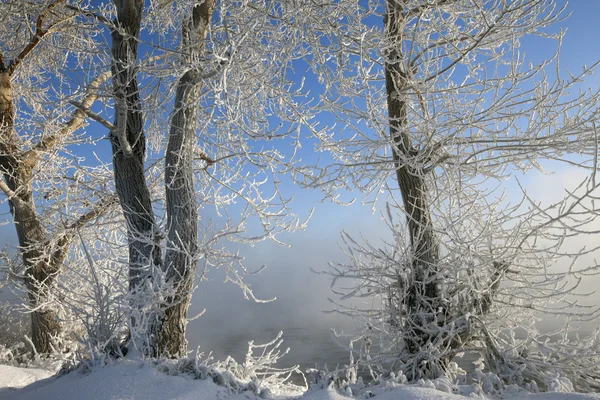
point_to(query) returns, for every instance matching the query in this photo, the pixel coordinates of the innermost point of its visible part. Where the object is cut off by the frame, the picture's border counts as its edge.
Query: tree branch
(424, 7)
(8, 192)
(90, 14)
(201, 154)
(95, 211)
(35, 40)
(121, 128)
(93, 115)
(31, 157)
(63, 243)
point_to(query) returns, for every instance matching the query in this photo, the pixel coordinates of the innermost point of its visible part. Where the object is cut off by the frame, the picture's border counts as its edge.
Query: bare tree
(33, 134)
(129, 145)
(435, 99)
(182, 215)
(222, 96)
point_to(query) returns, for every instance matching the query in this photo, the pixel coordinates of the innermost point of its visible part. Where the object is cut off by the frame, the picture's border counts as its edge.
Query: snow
(132, 380)
(122, 380)
(12, 378)
(411, 392)
(403, 392)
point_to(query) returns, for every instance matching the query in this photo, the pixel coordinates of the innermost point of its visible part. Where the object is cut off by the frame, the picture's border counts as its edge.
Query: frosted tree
(129, 147)
(210, 60)
(46, 186)
(229, 100)
(435, 100)
(181, 209)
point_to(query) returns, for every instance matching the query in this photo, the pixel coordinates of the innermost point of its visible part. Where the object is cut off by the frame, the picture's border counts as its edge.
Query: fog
(302, 296)
(291, 277)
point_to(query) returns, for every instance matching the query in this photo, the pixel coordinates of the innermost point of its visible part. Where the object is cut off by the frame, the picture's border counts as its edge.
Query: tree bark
(42, 254)
(129, 150)
(423, 301)
(182, 214)
(40, 269)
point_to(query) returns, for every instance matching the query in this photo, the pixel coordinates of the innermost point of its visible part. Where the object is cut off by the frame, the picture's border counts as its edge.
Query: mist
(301, 305)
(302, 296)
(294, 279)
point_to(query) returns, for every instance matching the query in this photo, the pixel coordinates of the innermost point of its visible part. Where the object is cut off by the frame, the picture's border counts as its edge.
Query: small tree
(435, 100)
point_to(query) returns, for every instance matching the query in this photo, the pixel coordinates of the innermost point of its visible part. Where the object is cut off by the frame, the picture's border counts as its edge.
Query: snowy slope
(124, 380)
(12, 378)
(410, 392)
(135, 380)
(401, 392)
(19, 377)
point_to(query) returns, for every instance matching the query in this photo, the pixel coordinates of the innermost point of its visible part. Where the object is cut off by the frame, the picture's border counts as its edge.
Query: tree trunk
(43, 255)
(182, 214)
(40, 269)
(40, 272)
(423, 300)
(129, 148)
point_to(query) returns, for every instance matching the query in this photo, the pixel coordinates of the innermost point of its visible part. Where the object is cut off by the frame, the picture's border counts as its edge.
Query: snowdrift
(137, 380)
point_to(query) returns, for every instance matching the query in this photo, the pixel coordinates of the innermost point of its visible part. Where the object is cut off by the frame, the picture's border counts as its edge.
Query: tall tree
(34, 143)
(181, 255)
(423, 298)
(223, 88)
(436, 101)
(129, 147)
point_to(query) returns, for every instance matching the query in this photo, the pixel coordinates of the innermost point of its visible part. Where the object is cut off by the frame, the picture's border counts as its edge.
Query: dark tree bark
(182, 215)
(39, 271)
(129, 147)
(423, 300)
(42, 258)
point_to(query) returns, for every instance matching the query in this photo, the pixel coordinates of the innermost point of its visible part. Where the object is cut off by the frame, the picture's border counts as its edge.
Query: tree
(222, 98)
(181, 210)
(129, 147)
(435, 100)
(182, 214)
(224, 89)
(36, 133)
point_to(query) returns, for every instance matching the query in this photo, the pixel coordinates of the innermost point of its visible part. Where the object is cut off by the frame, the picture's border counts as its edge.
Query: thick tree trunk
(423, 300)
(42, 255)
(40, 272)
(182, 214)
(40, 269)
(129, 148)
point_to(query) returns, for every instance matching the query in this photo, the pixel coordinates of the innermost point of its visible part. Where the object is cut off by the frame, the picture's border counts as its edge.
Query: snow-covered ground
(122, 380)
(13, 378)
(137, 380)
